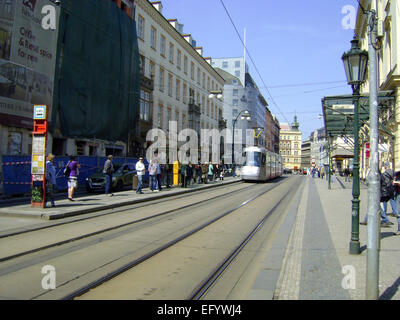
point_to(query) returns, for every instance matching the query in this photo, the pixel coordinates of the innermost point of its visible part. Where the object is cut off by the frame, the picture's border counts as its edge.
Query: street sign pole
(38, 162)
(373, 229)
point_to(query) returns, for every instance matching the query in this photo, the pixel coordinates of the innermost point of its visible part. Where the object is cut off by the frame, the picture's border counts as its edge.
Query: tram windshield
(253, 159)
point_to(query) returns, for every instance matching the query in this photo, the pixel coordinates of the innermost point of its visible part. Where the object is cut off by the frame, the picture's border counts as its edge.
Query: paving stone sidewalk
(315, 260)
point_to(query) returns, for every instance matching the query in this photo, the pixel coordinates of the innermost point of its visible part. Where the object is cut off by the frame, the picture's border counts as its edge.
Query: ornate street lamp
(355, 64)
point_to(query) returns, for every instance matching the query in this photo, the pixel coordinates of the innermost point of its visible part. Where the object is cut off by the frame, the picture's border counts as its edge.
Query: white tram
(261, 165)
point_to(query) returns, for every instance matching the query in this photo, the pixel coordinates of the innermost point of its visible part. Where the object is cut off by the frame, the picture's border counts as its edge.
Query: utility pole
(373, 229)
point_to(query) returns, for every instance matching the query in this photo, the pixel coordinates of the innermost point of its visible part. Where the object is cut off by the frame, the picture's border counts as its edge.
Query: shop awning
(338, 112)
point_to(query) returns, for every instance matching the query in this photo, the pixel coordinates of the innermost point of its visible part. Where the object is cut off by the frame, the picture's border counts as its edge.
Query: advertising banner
(27, 59)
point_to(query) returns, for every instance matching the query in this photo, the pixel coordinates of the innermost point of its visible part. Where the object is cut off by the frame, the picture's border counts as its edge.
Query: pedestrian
(347, 174)
(51, 182)
(152, 176)
(183, 172)
(140, 172)
(204, 170)
(73, 177)
(387, 193)
(396, 214)
(167, 174)
(189, 175)
(159, 174)
(210, 172)
(199, 173)
(108, 170)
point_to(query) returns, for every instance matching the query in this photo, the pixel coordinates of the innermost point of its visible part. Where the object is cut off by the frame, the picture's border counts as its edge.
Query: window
(184, 93)
(160, 116)
(178, 59)
(235, 92)
(198, 75)
(162, 45)
(204, 81)
(234, 113)
(171, 52)
(170, 85)
(237, 73)
(151, 69)
(153, 36)
(178, 89)
(140, 27)
(237, 64)
(145, 105)
(235, 102)
(185, 64)
(192, 70)
(224, 64)
(142, 64)
(161, 79)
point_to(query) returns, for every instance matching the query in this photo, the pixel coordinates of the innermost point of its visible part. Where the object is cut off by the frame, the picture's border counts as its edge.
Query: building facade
(388, 60)
(242, 94)
(290, 145)
(271, 132)
(182, 77)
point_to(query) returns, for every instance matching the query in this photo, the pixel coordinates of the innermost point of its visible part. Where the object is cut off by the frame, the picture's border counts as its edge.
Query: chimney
(208, 59)
(157, 5)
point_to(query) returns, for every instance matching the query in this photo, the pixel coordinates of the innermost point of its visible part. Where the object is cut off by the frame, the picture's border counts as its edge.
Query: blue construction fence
(17, 171)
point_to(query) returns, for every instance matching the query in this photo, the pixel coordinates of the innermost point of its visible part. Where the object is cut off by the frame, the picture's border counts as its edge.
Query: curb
(53, 216)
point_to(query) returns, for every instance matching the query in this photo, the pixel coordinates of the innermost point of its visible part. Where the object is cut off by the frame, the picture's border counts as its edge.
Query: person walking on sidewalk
(73, 177)
(396, 214)
(108, 170)
(140, 171)
(347, 174)
(387, 194)
(51, 183)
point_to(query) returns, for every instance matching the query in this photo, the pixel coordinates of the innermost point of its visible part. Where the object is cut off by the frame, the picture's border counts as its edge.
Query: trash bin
(135, 182)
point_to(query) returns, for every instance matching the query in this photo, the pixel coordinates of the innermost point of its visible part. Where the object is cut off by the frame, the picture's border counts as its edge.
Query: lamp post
(257, 135)
(246, 115)
(355, 64)
(330, 144)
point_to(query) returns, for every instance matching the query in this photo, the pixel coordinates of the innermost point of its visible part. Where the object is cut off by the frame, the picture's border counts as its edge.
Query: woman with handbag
(73, 166)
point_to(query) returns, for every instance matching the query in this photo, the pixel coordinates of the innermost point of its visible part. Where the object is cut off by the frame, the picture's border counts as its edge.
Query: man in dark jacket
(387, 193)
(108, 170)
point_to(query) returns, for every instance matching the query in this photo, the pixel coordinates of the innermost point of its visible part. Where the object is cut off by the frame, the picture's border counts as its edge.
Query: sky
(294, 48)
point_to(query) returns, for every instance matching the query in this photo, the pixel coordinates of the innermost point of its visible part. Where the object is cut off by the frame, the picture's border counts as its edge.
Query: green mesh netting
(97, 78)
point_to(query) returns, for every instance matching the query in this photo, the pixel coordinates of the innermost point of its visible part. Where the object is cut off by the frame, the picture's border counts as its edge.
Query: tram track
(147, 255)
(207, 283)
(215, 275)
(104, 230)
(107, 211)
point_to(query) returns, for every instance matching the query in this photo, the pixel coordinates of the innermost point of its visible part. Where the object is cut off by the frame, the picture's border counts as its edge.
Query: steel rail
(209, 281)
(55, 244)
(127, 207)
(162, 248)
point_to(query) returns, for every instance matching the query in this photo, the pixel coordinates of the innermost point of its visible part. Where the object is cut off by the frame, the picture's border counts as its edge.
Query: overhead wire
(255, 66)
